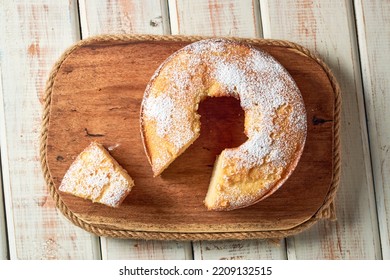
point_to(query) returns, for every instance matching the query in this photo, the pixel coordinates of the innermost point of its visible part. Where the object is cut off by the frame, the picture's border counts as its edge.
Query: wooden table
(353, 38)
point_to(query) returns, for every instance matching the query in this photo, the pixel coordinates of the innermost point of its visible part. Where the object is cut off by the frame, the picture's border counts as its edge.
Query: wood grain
(374, 47)
(239, 250)
(123, 16)
(118, 249)
(328, 28)
(210, 17)
(33, 34)
(136, 16)
(93, 99)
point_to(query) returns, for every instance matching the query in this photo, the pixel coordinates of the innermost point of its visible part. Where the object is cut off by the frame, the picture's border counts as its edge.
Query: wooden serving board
(96, 96)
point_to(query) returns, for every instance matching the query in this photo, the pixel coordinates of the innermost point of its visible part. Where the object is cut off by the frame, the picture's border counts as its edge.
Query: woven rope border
(327, 210)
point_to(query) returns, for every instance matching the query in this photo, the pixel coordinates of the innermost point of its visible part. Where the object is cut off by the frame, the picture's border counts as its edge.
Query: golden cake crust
(275, 117)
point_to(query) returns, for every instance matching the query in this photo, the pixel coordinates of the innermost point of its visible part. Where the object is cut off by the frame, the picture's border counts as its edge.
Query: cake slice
(97, 176)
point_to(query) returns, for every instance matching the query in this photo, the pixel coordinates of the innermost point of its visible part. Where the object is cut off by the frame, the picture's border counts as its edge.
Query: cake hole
(222, 126)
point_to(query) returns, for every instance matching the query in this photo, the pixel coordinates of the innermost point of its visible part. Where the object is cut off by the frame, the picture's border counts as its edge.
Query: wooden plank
(117, 249)
(210, 18)
(239, 250)
(34, 34)
(135, 16)
(3, 230)
(328, 28)
(373, 25)
(227, 18)
(122, 16)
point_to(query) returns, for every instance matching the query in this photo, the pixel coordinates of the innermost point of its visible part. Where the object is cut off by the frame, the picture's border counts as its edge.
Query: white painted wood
(223, 18)
(173, 17)
(3, 230)
(33, 36)
(373, 26)
(117, 249)
(328, 28)
(136, 16)
(239, 250)
(123, 16)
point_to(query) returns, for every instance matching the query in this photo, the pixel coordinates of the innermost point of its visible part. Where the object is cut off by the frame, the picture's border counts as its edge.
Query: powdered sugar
(257, 79)
(160, 109)
(94, 175)
(231, 77)
(165, 112)
(212, 46)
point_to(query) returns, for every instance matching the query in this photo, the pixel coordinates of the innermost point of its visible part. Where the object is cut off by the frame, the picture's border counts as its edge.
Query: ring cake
(275, 118)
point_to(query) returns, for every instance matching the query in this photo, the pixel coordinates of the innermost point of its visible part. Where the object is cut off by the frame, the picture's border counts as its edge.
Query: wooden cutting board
(96, 96)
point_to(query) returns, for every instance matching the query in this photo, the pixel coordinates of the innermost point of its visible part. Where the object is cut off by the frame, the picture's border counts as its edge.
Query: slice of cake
(97, 176)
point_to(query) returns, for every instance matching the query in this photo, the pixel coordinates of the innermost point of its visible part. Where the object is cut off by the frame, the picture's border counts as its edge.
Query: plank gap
(4, 252)
(364, 105)
(173, 17)
(164, 4)
(78, 23)
(6, 216)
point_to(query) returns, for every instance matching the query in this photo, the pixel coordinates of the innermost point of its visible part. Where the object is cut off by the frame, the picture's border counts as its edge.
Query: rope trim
(326, 211)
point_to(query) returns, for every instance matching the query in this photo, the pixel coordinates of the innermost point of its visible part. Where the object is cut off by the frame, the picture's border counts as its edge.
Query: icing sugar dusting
(231, 77)
(160, 109)
(164, 111)
(263, 86)
(199, 47)
(95, 176)
(263, 89)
